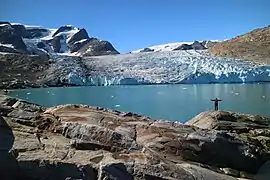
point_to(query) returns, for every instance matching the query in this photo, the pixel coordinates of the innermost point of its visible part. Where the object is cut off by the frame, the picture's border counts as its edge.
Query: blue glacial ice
(189, 67)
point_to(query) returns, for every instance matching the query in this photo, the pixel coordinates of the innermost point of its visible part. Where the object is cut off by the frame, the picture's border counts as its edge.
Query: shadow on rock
(8, 163)
(116, 171)
(264, 172)
(46, 170)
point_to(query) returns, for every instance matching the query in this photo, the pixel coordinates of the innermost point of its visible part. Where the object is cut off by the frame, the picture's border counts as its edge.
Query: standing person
(216, 103)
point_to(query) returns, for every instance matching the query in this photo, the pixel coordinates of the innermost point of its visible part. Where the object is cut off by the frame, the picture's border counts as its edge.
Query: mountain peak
(67, 40)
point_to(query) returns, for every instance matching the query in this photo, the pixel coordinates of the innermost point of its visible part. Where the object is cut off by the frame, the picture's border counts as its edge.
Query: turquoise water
(171, 102)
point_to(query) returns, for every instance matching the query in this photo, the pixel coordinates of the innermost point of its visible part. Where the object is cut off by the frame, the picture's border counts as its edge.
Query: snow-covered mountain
(171, 63)
(196, 45)
(66, 40)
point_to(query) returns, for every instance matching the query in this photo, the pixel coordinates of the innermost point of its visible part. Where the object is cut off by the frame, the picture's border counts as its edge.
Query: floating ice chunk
(28, 93)
(117, 105)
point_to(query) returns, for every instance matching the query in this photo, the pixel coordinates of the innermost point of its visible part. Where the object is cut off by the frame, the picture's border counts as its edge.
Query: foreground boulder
(223, 120)
(82, 142)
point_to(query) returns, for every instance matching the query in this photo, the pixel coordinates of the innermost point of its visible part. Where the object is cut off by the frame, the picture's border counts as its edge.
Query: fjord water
(170, 102)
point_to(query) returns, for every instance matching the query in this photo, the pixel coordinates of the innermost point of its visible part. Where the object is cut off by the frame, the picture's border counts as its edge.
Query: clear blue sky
(133, 24)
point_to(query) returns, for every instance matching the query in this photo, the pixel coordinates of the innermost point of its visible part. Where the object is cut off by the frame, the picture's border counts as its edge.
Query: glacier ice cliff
(161, 68)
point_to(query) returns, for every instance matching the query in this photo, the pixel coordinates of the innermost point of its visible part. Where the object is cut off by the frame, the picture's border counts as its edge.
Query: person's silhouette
(216, 103)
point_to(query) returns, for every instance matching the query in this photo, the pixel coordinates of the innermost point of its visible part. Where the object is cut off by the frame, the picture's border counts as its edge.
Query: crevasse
(189, 67)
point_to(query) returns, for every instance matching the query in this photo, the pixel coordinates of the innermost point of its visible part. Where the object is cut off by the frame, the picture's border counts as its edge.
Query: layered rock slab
(80, 142)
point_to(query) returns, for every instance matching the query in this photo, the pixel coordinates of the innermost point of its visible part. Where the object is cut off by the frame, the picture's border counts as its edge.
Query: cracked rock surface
(82, 142)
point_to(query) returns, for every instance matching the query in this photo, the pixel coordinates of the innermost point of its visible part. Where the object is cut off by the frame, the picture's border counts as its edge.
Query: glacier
(171, 67)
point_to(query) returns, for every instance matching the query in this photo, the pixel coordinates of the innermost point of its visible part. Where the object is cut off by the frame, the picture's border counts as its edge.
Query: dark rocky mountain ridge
(68, 40)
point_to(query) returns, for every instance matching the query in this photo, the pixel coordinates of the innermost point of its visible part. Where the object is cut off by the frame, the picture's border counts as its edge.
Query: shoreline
(146, 84)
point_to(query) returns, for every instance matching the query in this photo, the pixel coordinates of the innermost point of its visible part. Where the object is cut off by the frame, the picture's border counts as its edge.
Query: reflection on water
(171, 102)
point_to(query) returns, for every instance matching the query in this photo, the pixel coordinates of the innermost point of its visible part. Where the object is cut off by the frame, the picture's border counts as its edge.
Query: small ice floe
(263, 97)
(112, 96)
(236, 93)
(48, 92)
(28, 93)
(117, 105)
(184, 88)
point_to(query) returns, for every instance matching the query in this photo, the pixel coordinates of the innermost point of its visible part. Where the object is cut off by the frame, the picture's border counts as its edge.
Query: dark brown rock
(197, 45)
(37, 32)
(147, 50)
(78, 45)
(42, 169)
(20, 30)
(62, 29)
(183, 47)
(56, 42)
(96, 47)
(77, 141)
(8, 162)
(81, 34)
(8, 35)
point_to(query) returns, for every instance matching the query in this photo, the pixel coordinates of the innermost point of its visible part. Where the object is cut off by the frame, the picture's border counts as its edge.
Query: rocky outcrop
(183, 47)
(30, 71)
(17, 38)
(20, 30)
(229, 121)
(56, 43)
(7, 49)
(80, 35)
(78, 45)
(82, 142)
(78, 40)
(21, 71)
(253, 46)
(96, 47)
(147, 50)
(209, 44)
(9, 36)
(34, 33)
(62, 29)
(196, 45)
